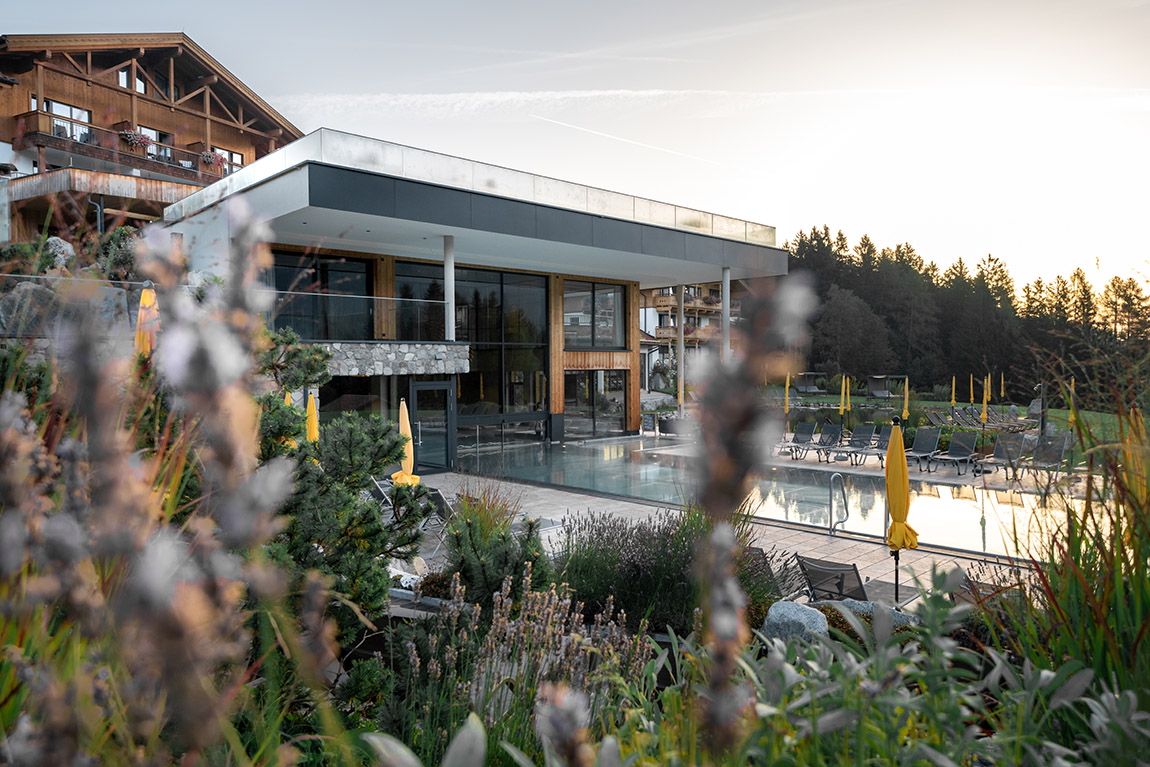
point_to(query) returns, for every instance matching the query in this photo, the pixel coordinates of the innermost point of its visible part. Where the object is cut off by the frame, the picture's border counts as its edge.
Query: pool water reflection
(972, 518)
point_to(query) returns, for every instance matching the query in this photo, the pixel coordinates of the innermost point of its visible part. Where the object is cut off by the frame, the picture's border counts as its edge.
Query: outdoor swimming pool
(984, 518)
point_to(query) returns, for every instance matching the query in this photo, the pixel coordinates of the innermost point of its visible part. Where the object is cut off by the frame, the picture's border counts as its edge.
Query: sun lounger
(878, 450)
(828, 442)
(1048, 456)
(1007, 453)
(804, 433)
(938, 419)
(835, 581)
(960, 452)
(925, 446)
(828, 437)
(860, 439)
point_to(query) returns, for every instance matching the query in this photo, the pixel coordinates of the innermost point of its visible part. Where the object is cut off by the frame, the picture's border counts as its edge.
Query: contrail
(626, 140)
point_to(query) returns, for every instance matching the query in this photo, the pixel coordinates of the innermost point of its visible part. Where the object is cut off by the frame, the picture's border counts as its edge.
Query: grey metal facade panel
(707, 250)
(614, 234)
(564, 226)
(664, 242)
(354, 192)
(432, 204)
(493, 214)
(371, 193)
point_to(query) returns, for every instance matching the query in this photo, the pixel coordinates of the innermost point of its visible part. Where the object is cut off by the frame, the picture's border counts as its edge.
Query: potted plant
(135, 138)
(213, 160)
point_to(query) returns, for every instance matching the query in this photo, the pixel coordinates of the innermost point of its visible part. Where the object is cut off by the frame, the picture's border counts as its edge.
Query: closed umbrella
(287, 398)
(407, 465)
(848, 394)
(952, 392)
(1072, 418)
(972, 388)
(787, 395)
(906, 400)
(842, 394)
(312, 419)
(147, 323)
(900, 535)
(985, 398)
(1002, 385)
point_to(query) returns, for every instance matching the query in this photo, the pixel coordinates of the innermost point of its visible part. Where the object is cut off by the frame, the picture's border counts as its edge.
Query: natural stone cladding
(395, 358)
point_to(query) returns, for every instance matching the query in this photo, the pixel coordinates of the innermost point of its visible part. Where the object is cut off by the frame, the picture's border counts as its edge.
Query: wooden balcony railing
(45, 129)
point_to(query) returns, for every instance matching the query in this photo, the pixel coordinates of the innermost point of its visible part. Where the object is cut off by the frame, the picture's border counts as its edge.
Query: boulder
(61, 251)
(897, 618)
(29, 309)
(790, 620)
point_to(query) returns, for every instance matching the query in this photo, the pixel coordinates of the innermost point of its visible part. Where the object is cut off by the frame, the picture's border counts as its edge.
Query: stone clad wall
(395, 358)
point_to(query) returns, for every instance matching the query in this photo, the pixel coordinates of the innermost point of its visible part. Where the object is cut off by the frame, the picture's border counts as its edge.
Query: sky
(1017, 128)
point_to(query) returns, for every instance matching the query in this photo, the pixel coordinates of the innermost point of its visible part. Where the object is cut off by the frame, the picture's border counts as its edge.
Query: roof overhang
(348, 193)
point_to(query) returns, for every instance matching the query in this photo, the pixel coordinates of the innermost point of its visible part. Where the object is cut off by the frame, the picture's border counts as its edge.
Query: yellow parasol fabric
(312, 419)
(985, 398)
(900, 535)
(842, 394)
(147, 323)
(1002, 385)
(906, 400)
(848, 394)
(952, 381)
(972, 388)
(787, 395)
(287, 398)
(407, 465)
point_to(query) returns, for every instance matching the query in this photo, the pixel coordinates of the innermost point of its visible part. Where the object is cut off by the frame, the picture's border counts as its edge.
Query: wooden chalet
(105, 128)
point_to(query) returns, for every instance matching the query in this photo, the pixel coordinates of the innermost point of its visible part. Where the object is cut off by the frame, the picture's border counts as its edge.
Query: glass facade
(503, 316)
(327, 300)
(342, 394)
(595, 402)
(593, 315)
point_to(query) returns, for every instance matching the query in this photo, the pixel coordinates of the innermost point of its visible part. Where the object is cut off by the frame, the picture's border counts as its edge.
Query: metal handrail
(831, 523)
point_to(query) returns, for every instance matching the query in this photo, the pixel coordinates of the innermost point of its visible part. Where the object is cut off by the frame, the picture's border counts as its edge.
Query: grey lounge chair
(831, 580)
(925, 446)
(440, 517)
(937, 419)
(1007, 453)
(960, 452)
(828, 442)
(804, 433)
(878, 450)
(827, 580)
(1048, 456)
(860, 439)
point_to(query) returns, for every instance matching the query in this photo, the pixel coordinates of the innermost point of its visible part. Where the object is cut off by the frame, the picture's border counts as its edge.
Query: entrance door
(433, 425)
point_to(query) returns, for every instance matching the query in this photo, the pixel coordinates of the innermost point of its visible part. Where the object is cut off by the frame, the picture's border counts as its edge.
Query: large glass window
(342, 394)
(478, 306)
(595, 403)
(593, 315)
(69, 122)
(323, 298)
(414, 284)
(161, 147)
(524, 308)
(232, 161)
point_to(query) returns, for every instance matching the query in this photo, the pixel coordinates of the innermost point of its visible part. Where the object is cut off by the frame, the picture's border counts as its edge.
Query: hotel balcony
(691, 333)
(42, 129)
(669, 304)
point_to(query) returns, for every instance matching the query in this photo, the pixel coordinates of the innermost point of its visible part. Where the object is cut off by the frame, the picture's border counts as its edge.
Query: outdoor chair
(878, 450)
(1007, 453)
(382, 493)
(804, 433)
(828, 442)
(831, 580)
(440, 517)
(925, 446)
(834, 581)
(860, 439)
(960, 452)
(1048, 456)
(937, 419)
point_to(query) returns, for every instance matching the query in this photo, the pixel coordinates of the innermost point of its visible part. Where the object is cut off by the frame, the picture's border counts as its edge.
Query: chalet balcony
(691, 333)
(42, 129)
(665, 304)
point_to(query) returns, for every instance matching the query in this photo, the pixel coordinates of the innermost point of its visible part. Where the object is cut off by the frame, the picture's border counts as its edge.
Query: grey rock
(790, 620)
(28, 309)
(62, 251)
(897, 618)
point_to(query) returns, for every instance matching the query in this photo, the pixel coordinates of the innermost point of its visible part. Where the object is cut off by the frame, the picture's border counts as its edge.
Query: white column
(725, 349)
(449, 287)
(680, 355)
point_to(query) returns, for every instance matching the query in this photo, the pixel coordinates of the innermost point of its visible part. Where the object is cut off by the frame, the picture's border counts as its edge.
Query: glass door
(433, 425)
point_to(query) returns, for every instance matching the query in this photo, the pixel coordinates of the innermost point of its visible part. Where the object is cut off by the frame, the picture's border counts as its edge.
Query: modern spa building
(504, 306)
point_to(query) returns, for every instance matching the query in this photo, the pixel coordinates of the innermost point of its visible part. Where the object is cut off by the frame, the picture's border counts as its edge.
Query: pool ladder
(831, 523)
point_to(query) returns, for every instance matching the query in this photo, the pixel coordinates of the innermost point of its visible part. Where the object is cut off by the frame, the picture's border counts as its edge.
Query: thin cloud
(626, 140)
